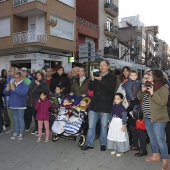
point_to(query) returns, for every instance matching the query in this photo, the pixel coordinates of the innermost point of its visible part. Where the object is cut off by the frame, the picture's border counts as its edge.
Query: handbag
(140, 124)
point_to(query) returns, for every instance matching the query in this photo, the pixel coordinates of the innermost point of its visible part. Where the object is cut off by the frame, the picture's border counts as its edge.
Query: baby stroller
(74, 128)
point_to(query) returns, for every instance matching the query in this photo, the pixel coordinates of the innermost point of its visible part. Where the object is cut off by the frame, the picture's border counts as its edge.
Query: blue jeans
(156, 133)
(1, 121)
(18, 119)
(93, 118)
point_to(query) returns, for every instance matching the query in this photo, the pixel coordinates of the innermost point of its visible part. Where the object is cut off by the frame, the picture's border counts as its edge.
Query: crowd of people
(117, 99)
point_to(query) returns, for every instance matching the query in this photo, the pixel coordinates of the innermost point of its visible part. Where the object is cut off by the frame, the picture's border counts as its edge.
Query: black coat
(103, 93)
(62, 80)
(2, 85)
(34, 90)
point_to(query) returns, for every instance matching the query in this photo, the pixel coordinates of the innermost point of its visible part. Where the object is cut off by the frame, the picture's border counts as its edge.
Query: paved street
(63, 155)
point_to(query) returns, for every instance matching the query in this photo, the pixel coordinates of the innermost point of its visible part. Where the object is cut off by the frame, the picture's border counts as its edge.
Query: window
(68, 2)
(63, 29)
(5, 27)
(109, 23)
(109, 43)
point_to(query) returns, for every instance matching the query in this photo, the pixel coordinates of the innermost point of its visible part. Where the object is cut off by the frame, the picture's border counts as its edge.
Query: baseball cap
(24, 69)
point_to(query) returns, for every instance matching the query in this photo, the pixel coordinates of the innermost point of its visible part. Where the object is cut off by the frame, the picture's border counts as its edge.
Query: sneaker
(4, 128)
(43, 133)
(14, 136)
(20, 137)
(36, 133)
(1, 132)
(33, 132)
(9, 131)
(119, 154)
(113, 152)
(26, 130)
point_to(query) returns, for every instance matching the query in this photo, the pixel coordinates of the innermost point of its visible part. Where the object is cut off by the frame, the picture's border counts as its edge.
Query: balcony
(29, 37)
(112, 9)
(21, 2)
(110, 52)
(156, 39)
(111, 30)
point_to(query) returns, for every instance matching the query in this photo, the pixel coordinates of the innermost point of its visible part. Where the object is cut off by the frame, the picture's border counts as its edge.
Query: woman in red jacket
(43, 115)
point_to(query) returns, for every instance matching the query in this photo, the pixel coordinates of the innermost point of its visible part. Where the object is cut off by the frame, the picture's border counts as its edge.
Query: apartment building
(103, 14)
(37, 33)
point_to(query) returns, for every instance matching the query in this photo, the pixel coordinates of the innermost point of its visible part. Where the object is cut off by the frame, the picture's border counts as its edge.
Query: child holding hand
(117, 138)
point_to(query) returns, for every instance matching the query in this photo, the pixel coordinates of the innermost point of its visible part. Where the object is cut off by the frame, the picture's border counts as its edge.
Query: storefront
(35, 61)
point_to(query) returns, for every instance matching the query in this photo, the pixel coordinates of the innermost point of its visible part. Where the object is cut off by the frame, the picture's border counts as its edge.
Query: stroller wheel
(55, 137)
(81, 140)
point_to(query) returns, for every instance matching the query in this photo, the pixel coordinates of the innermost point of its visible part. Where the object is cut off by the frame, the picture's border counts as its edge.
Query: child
(43, 115)
(132, 87)
(117, 138)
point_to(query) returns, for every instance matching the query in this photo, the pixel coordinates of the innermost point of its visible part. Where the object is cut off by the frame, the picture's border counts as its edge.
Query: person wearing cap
(26, 73)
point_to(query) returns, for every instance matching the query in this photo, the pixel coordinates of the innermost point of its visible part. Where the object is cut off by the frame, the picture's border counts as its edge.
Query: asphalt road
(64, 154)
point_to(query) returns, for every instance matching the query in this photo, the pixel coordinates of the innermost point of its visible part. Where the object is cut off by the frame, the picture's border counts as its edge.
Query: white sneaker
(20, 137)
(119, 154)
(113, 152)
(4, 128)
(9, 131)
(14, 136)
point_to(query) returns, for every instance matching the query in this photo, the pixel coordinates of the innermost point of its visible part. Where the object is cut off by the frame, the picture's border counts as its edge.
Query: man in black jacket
(102, 100)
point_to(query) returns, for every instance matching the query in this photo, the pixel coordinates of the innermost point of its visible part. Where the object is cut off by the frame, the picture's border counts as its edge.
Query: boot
(165, 164)
(154, 158)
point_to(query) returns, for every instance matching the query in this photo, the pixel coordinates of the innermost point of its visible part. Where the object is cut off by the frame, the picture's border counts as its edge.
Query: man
(49, 72)
(24, 70)
(102, 100)
(75, 74)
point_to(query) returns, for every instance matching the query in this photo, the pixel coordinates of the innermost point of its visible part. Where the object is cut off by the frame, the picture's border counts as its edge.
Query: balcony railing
(111, 28)
(110, 51)
(88, 24)
(113, 7)
(21, 2)
(29, 37)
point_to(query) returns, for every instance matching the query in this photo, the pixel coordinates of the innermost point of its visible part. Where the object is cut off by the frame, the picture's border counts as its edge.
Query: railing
(29, 37)
(111, 6)
(86, 23)
(21, 2)
(111, 28)
(111, 51)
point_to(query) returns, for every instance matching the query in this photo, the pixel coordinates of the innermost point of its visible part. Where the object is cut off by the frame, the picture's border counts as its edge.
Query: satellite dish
(53, 22)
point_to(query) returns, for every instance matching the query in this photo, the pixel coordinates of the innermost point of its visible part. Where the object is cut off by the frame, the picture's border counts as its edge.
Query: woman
(156, 117)
(17, 93)
(80, 86)
(60, 78)
(33, 94)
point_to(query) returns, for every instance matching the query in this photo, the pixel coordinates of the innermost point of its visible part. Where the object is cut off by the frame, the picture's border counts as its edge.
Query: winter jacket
(34, 90)
(2, 83)
(158, 104)
(80, 90)
(42, 109)
(17, 98)
(62, 80)
(103, 93)
(129, 86)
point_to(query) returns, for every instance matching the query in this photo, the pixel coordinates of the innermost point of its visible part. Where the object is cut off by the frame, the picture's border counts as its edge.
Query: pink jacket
(42, 109)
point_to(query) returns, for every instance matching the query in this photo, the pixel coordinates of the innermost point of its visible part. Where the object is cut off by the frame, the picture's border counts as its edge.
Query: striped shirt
(146, 106)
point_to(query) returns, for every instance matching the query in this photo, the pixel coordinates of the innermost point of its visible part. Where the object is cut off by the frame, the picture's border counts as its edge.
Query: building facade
(37, 33)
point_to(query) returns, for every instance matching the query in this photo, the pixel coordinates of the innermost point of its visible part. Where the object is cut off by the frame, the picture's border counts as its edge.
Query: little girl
(43, 115)
(117, 138)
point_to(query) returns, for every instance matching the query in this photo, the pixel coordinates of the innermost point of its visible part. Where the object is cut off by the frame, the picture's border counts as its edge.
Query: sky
(152, 12)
